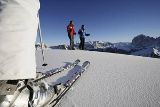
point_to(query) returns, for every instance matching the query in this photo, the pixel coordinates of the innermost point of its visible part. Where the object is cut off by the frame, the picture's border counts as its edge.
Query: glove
(87, 34)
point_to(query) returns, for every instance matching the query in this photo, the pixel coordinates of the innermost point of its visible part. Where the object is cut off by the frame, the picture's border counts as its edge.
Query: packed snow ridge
(112, 80)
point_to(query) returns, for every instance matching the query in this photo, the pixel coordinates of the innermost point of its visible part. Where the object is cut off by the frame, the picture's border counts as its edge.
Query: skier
(82, 35)
(71, 33)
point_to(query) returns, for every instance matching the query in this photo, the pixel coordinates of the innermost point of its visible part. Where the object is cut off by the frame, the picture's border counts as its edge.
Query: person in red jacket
(71, 33)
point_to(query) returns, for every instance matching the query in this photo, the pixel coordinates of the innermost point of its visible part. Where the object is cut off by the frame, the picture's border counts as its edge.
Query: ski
(58, 70)
(62, 89)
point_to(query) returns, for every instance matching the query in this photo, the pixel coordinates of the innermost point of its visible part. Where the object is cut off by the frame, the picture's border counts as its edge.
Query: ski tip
(86, 64)
(78, 60)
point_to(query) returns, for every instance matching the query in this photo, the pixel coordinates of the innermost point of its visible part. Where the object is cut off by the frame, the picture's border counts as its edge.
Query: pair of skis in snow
(57, 91)
(38, 93)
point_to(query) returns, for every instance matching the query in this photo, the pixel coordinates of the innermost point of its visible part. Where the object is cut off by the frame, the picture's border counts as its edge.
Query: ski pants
(71, 38)
(82, 41)
(18, 30)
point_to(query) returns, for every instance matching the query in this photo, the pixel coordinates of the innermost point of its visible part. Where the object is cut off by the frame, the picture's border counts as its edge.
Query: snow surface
(112, 80)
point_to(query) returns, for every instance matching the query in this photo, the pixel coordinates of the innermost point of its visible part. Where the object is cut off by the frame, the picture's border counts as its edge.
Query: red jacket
(70, 30)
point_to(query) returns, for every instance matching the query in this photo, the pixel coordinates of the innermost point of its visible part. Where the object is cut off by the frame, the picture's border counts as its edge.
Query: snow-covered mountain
(60, 47)
(143, 41)
(145, 45)
(141, 45)
(38, 45)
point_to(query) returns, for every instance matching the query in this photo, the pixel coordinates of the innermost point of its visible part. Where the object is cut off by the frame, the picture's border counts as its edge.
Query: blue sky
(105, 20)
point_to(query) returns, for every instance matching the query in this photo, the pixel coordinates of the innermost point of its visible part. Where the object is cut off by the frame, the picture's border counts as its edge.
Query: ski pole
(41, 42)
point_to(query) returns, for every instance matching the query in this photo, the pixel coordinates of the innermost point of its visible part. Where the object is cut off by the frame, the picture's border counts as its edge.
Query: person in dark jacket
(71, 33)
(82, 34)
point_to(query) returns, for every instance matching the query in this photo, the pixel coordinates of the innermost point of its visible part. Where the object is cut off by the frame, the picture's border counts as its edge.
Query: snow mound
(112, 80)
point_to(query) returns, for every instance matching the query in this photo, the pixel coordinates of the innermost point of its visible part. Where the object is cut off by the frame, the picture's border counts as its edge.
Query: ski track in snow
(112, 80)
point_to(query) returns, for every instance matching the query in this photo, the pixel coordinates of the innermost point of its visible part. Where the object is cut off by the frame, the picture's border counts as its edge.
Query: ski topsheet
(62, 89)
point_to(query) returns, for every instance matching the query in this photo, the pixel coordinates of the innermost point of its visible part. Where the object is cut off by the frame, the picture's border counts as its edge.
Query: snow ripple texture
(112, 80)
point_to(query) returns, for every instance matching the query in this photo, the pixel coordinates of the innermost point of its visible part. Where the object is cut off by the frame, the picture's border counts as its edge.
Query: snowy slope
(112, 80)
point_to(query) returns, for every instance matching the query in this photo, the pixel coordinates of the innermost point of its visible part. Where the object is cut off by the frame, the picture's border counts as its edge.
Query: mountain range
(141, 45)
